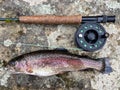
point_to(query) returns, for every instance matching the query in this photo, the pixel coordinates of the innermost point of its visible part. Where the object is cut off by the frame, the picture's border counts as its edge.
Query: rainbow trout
(51, 62)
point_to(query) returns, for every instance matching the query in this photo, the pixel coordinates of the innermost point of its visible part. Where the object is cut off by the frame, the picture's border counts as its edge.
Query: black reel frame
(91, 36)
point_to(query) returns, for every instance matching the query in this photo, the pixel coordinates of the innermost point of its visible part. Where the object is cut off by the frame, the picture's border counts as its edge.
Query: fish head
(17, 66)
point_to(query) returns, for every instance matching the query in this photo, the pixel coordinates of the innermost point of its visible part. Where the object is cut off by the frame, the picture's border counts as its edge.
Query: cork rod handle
(51, 19)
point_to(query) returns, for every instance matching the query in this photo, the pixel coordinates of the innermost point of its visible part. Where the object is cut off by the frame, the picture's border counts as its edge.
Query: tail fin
(107, 68)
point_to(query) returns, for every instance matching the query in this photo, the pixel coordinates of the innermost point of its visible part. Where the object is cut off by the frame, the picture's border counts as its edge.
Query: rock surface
(18, 38)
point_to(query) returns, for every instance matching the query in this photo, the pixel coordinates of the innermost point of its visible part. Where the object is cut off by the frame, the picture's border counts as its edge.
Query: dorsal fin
(61, 49)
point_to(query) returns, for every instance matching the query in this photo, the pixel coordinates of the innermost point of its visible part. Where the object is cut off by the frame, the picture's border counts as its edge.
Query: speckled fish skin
(51, 62)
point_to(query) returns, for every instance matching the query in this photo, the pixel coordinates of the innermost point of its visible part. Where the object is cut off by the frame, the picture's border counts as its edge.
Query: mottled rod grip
(51, 19)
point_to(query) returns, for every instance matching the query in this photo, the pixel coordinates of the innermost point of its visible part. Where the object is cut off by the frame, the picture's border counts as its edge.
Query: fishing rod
(90, 36)
(52, 19)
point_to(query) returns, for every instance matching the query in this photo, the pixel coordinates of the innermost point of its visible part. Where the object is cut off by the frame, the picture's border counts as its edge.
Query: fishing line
(39, 45)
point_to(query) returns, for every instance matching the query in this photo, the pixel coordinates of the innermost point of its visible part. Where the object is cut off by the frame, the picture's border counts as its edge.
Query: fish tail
(106, 64)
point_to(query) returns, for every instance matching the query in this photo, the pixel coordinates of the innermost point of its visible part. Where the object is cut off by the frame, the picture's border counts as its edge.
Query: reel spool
(91, 36)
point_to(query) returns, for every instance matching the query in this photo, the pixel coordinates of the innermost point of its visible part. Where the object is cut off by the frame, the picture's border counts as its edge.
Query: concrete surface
(18, 38)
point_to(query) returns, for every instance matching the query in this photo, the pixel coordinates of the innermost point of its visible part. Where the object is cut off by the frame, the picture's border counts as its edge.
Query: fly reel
(91, 36)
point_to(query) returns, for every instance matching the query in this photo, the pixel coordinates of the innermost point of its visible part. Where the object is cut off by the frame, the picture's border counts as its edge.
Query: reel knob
(91, 37)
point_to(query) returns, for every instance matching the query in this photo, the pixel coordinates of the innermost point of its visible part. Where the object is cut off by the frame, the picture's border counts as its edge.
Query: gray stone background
(18, 38)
